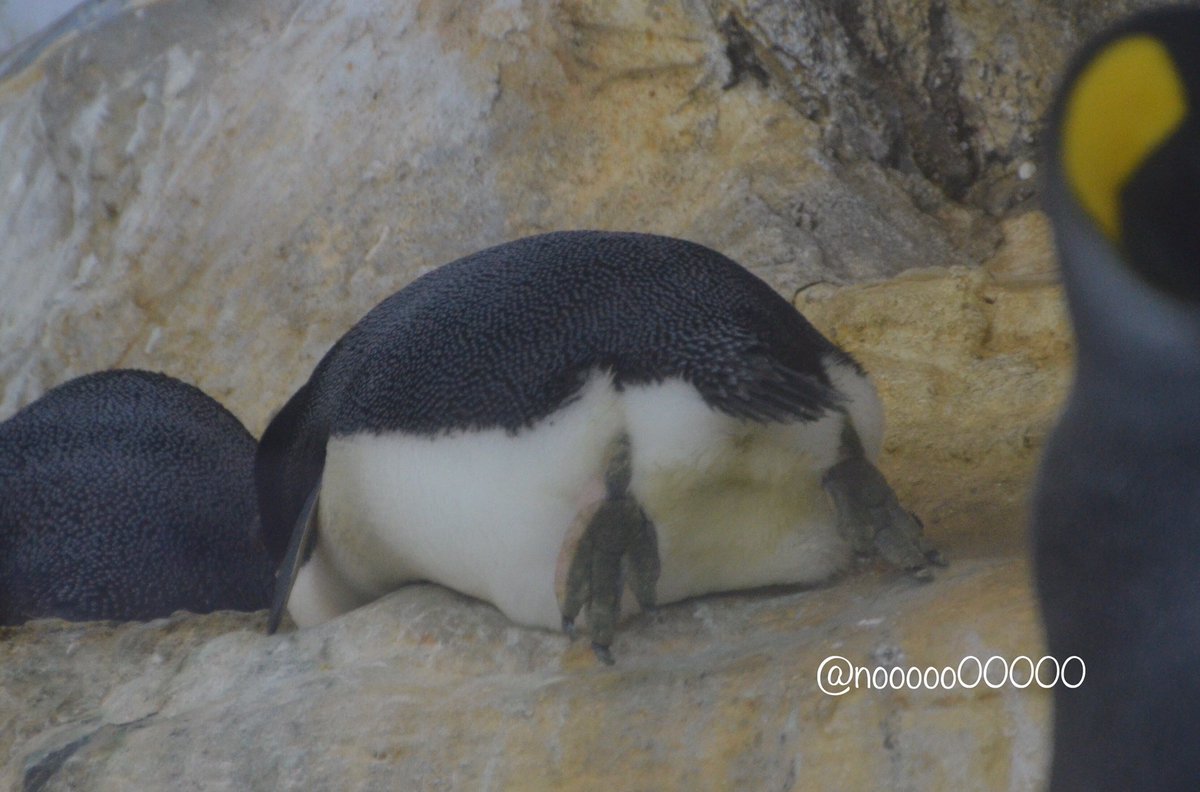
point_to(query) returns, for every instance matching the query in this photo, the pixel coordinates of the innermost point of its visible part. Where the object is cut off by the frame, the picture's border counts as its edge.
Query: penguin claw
(921, 574)
(603, 654)
(568, 627)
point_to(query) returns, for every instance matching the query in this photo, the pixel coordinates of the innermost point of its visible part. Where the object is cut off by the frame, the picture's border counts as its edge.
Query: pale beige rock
(221, 191)
(427, 690)
(952, 92)
(971, 366)
(200, 188)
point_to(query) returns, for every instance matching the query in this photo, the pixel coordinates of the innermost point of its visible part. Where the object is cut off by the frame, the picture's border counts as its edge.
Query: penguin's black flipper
(287, 473)
(304, 538)
(618, 540)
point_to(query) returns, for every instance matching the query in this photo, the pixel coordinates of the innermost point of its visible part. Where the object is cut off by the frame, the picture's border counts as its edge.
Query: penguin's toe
(618, 546)
(603, 654)
(935, 557)
(898, 541)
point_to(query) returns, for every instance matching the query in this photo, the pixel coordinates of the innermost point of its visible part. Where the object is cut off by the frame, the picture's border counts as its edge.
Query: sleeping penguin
(1116, 513)
(127, 495)
(553, 422)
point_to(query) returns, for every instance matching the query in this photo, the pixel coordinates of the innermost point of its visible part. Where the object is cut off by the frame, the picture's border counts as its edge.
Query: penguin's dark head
(1123, 170)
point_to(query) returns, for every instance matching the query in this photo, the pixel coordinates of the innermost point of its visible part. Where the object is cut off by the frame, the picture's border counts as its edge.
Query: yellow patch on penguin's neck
(1122, 107)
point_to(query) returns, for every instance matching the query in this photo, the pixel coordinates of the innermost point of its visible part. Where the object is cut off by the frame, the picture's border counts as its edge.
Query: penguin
(556, 422)
(1116, 505)
(128, 495)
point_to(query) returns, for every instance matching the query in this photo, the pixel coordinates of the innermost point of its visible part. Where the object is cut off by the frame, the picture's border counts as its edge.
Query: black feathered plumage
(127, 495)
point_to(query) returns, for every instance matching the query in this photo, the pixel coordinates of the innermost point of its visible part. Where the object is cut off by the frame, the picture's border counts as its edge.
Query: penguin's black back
(127, 495)
(504, 337)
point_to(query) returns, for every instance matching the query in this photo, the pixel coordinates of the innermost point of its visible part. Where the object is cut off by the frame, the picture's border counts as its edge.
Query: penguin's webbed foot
(617, 546)
(871, 518)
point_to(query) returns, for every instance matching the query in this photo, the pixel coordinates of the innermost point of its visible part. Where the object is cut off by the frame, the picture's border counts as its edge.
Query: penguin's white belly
(483, 512)
(735, 504)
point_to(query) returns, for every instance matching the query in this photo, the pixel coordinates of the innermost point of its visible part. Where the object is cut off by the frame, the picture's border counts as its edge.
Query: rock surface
(426, 690)
(203, 188)
(220, 190)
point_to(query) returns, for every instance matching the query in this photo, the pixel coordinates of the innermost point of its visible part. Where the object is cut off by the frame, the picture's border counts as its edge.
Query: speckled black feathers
(127, 495)
(506, 336)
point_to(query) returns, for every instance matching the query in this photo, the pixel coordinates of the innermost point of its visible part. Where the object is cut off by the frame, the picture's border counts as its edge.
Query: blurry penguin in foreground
(542, 422)
(127, 495)
(1116, 518)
